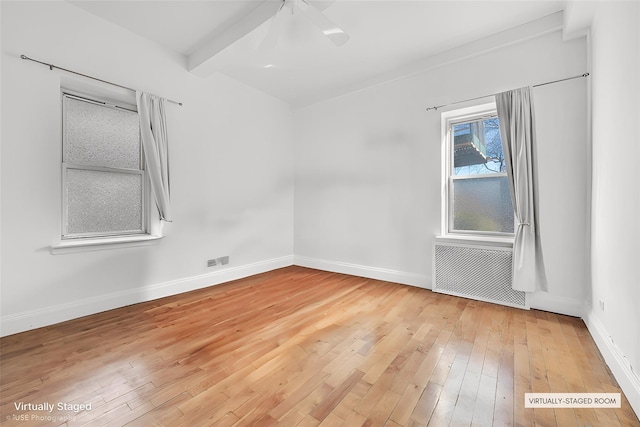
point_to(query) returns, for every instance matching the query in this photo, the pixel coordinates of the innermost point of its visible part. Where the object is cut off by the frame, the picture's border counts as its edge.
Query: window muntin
(104, 183)
(478, 196)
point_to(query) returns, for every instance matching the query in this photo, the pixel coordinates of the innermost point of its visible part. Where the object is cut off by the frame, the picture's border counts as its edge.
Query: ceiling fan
(302, 7)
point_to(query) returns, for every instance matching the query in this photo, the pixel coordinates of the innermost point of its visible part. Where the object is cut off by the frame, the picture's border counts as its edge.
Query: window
(478, 200)
(104, 182)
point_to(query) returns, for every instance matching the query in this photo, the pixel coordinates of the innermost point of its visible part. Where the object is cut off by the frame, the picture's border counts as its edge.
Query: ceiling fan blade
(271, 39)
(336, 34)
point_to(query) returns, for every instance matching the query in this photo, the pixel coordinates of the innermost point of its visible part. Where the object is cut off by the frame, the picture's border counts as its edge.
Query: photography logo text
(47, 411)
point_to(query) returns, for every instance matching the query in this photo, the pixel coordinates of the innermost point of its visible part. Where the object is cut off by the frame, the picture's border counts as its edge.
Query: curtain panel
(153, 131)
(517, 129)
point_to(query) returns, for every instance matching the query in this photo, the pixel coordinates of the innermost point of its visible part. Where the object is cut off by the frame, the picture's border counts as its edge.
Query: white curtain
(517, 129)
(153, 130)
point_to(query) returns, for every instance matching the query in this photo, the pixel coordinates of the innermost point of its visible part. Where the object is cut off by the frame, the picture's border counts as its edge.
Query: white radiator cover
(478, 272)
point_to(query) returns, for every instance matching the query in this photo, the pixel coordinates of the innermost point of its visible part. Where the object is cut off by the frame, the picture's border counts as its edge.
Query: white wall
(615, 253)
(368, 167)
(367, 173)
(232, 184)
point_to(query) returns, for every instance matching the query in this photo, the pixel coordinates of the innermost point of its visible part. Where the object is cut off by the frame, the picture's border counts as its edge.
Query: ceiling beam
(200, 62)
(578, 16)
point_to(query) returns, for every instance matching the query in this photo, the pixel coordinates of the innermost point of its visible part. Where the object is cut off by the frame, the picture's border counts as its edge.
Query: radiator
(477, 272)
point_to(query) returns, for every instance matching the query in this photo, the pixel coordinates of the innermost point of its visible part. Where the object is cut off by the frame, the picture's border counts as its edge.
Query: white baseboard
(27, 320)
(412, 279)
(539, 300)
(556, 304)
(617, 362)
(32, 319)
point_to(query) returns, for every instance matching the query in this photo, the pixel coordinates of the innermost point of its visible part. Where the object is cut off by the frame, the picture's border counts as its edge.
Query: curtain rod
(493, 94)
(51, 67)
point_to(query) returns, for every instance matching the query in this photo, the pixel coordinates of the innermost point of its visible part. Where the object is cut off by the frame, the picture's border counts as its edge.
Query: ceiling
(387, 38)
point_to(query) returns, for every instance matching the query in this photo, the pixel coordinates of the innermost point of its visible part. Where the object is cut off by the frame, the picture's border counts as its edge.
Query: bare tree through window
(487, 143)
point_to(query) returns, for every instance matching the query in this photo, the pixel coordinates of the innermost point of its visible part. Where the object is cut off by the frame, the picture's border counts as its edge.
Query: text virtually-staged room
(320, 213)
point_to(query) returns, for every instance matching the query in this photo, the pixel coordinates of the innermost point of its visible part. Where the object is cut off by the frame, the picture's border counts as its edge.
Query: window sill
(498, 241)
(85, 245)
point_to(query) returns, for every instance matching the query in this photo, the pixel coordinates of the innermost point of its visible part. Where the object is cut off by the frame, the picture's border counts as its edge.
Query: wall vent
(478, 272)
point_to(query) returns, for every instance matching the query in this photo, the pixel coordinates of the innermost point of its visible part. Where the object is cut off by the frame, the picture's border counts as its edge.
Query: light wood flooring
(301, 347)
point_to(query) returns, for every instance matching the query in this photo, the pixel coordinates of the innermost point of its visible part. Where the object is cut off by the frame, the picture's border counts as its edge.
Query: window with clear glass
(102, 167)
(478, 196)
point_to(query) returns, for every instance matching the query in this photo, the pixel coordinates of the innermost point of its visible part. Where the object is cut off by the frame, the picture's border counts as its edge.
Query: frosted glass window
(104, 179)
(482, 204)
(103, 202)
(98, 135)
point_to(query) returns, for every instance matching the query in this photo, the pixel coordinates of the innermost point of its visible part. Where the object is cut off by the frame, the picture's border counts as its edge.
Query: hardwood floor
(300, 347)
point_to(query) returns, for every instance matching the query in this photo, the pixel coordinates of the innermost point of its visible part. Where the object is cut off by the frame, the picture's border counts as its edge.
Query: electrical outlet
(601, 305)
(224, 260)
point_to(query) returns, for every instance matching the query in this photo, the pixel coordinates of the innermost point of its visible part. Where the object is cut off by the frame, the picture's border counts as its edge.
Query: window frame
(450, 119)
(151, 226)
